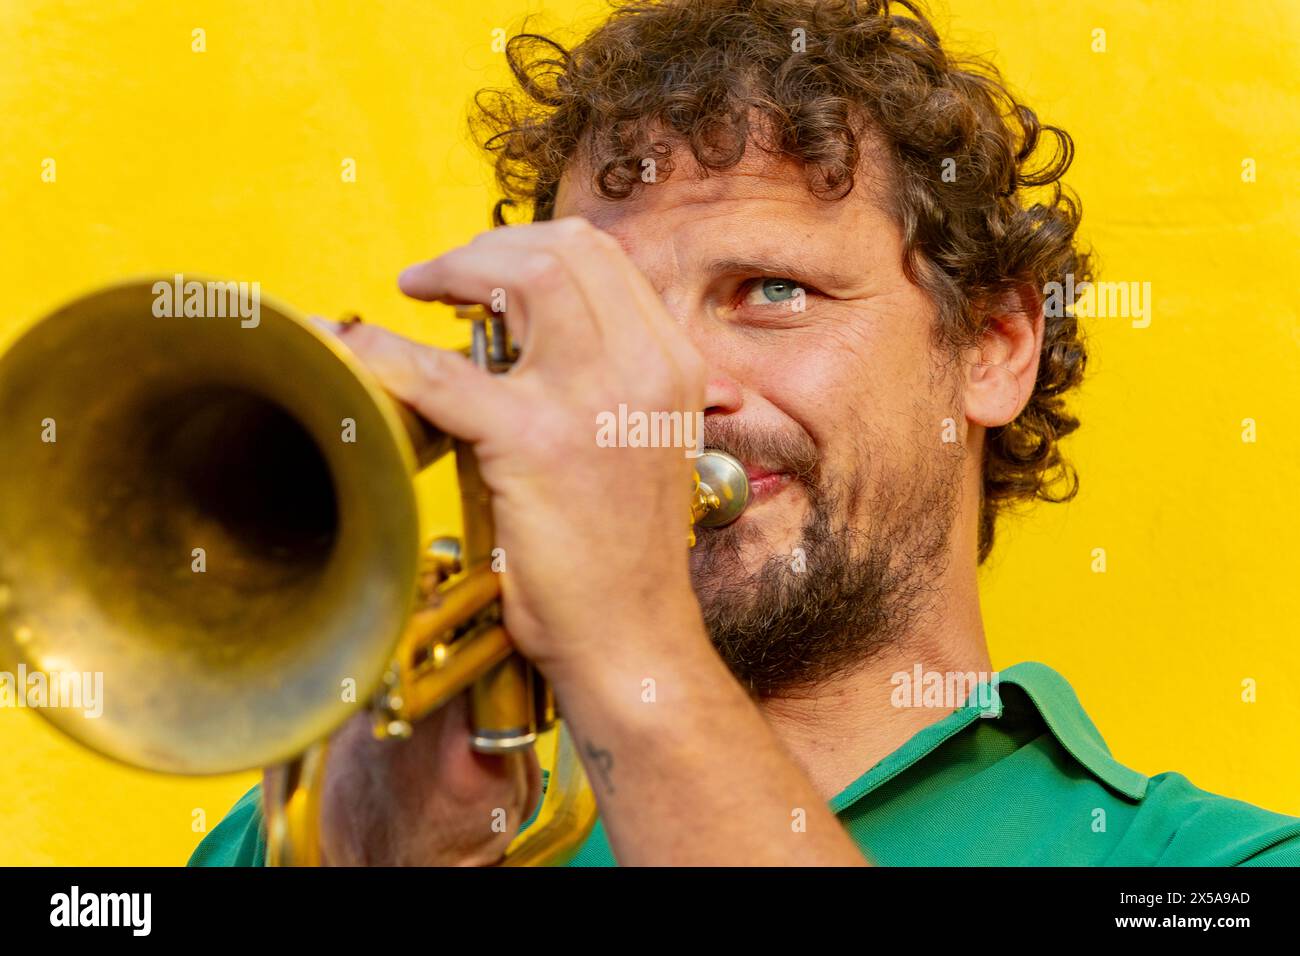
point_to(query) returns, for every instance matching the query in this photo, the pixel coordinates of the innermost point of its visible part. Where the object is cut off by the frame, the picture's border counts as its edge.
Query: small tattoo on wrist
(604, 761)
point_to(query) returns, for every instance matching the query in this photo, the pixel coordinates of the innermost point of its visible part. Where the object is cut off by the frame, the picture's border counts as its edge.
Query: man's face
(825, 381)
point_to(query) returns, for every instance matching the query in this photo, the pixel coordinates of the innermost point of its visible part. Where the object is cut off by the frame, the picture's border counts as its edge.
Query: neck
(840, 729)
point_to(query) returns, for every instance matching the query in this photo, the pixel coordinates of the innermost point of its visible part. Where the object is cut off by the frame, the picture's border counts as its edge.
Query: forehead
(764, 191)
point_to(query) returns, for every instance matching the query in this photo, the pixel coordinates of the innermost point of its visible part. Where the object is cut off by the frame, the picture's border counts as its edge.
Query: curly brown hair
(808, 79)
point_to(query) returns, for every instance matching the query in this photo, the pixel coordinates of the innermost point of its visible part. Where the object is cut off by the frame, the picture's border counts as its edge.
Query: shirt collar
(1055, 702)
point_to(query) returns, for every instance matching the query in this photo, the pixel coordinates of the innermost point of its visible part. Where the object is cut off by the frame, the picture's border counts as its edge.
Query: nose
(722, 393)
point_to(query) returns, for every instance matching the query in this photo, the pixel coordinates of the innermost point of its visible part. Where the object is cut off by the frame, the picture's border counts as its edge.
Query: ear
(1002, 368)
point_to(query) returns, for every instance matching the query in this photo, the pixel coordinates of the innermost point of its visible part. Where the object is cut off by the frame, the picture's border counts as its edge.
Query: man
(809, 221)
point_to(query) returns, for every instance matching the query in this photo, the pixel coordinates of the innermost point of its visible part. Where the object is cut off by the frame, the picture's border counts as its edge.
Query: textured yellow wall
(228, 162)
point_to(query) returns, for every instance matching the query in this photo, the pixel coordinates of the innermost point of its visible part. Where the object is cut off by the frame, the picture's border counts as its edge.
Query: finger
(572, 275)
(617, 290)
(442, 386)
(567, 265)
(668, 328)
(528, 279)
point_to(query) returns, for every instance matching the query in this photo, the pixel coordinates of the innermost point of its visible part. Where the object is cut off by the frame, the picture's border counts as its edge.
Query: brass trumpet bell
(221, 519)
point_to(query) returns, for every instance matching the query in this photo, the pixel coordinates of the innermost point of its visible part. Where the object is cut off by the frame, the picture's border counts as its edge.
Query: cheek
(871, 391)
(810, 382)
(846, 383)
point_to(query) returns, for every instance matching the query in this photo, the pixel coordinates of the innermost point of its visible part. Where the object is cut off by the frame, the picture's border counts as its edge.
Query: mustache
(792, 452)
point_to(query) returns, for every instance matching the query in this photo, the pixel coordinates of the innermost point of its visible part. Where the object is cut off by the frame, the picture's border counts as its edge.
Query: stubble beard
(805, 617)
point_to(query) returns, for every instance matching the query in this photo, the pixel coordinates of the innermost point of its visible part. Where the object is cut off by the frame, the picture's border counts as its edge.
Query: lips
(764, 483)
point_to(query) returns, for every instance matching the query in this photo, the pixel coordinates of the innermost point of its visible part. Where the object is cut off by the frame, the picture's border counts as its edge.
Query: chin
(771, 528)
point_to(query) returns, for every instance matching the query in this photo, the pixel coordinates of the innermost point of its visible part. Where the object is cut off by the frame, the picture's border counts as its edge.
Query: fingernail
(405, 275)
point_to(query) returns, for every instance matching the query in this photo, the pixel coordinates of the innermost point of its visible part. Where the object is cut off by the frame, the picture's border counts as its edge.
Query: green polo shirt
(1030, 783)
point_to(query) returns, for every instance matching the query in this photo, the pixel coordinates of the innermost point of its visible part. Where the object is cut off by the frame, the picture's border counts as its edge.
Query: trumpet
(220, 517)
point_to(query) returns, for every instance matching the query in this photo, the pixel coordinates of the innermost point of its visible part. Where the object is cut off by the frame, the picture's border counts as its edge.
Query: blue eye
(772, 290)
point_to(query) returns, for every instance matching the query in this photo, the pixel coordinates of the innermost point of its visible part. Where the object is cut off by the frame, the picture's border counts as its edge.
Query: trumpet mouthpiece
(722, 476)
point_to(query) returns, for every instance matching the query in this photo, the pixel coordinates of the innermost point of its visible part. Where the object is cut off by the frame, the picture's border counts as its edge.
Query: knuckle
(540, 270)
(574, 227)
(579, 234)
(432, 365)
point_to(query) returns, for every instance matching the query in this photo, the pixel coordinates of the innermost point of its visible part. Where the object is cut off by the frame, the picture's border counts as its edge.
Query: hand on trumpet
(429, 800)
(589, 534)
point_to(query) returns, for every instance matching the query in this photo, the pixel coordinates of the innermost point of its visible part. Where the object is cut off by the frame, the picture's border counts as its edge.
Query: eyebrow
(779, 268)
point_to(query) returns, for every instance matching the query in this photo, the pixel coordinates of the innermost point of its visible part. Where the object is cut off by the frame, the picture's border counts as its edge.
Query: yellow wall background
(228, 163)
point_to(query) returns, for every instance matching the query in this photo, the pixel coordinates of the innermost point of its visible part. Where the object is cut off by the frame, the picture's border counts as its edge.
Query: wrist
(650, 699)
(658, 642)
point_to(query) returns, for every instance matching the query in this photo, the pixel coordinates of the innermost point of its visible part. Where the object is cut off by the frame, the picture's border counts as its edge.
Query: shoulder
(1163, 820)
(1207, 829)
